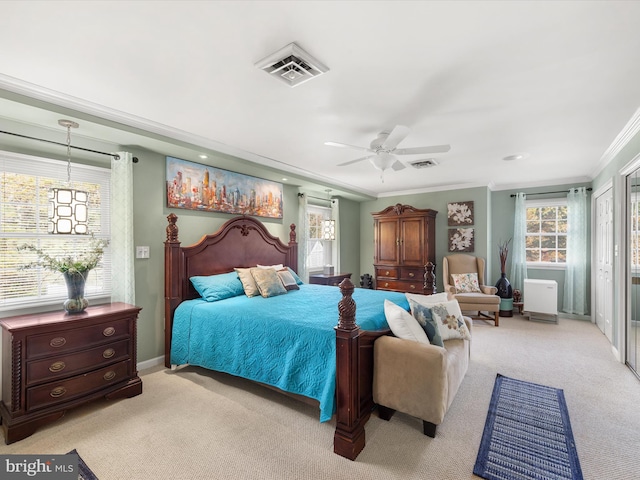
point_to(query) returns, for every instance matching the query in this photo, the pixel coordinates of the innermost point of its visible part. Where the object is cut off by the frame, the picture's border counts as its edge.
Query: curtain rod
(114, 155)
(316, 198)
(546, 193)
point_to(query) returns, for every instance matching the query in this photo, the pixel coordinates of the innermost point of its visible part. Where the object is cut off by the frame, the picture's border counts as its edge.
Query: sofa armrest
(488, 290)
(411, 377)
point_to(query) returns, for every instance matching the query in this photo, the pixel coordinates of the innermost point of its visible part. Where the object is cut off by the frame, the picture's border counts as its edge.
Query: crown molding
(629, 131)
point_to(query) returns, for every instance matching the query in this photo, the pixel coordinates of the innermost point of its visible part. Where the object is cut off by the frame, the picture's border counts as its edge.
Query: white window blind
(24, 183)
(318, 250)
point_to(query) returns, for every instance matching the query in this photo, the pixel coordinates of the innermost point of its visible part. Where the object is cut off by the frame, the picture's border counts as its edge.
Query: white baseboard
(151, 363)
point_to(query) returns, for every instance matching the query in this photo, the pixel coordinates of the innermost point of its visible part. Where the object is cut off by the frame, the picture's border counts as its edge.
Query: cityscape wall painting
(194, 186)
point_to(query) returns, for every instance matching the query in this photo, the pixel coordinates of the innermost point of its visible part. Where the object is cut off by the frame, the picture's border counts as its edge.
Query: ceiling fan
(383, 150)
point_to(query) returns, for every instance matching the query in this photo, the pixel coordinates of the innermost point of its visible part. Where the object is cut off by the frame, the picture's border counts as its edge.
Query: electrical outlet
(142, 252)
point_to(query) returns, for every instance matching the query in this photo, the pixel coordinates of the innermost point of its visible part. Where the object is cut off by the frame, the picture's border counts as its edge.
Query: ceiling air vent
(292, 65)
(429, 162)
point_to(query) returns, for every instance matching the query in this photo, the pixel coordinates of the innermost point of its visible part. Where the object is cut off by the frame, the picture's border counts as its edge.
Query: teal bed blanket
(287, 341)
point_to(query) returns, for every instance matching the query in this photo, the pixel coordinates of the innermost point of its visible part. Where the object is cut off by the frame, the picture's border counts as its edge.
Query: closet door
(633, 269)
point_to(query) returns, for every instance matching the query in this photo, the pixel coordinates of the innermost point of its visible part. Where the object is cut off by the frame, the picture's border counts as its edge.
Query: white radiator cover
(540, 297)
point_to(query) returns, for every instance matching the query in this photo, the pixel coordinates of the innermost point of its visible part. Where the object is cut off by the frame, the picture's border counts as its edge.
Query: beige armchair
(418, 379)
(484, 301)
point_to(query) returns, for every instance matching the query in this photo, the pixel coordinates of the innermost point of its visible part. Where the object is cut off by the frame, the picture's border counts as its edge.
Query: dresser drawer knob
(57, 342)
(411, 274)
(412, 287)
(108, 353)
(110, 375)
(57, 367)
(107, 332)
(386, 284)
(387, 273)
(58, 392)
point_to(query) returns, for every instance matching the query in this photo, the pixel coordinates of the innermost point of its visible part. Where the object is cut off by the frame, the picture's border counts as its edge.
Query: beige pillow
(248, 282)
(466, 282)
(268, 282)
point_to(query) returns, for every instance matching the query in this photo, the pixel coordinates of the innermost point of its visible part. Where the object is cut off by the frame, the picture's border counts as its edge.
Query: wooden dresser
(55, 361)
(405, 249)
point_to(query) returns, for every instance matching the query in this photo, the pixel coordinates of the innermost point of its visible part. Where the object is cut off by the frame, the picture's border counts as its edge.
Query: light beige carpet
(192, 424)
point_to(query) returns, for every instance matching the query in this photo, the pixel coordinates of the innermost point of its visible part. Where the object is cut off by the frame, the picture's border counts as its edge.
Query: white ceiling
(555, 80)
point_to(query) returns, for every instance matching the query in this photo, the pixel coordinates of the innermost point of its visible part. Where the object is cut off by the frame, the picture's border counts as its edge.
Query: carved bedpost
(430, 278)
(172, 284)
(349, 439)
(293, 248)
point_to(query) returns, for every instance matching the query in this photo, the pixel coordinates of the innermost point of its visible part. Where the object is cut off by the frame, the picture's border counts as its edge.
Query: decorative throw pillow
(295, 275)
(449, 319)
(268, 282)
(427, 300)
(218, 287)
(276, 267)
(287, 280)
(402, 324)
(466, 282)
(423, 315)
(248, 283)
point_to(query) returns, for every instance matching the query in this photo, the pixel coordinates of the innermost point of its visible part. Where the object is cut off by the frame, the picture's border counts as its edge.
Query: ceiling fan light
(382, 161)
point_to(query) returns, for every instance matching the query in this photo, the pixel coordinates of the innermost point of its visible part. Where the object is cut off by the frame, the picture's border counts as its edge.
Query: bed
(305, 342)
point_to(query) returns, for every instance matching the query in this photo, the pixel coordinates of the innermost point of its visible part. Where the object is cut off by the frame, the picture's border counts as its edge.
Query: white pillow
(427, 300)
(449, 319)
(402, 324)
(277, 267)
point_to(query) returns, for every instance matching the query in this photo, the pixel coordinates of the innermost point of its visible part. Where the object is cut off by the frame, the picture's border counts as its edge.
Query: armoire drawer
(400, 286)
(386, 272)
(62, 341)
(67, 389)
(412, 274)
(60, 366)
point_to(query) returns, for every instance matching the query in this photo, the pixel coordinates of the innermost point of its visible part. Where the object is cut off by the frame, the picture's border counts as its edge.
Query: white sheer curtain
(575, 278)
(303, 232)
(519, 255)
(122, 244)
(335, 245)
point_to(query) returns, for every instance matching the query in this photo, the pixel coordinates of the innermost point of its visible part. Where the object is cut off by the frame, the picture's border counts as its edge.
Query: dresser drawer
(65, 390)
(69, 340)
(400, 286)
(386, 272)
(412, 274)
(51, 368)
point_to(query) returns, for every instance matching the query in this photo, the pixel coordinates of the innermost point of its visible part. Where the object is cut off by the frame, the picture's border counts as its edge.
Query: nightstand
(52, 362)
(323, 279)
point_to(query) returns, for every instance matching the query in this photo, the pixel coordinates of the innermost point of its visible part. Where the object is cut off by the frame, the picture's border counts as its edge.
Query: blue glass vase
(75, 303)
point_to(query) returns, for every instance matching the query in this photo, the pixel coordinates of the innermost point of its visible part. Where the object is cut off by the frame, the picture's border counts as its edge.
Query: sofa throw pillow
(402, 324)
(423, 315)
(466, 282)
(449, 319)
(248, 282)
(268, 282)
(287, 280)
(427, 300)
(218, 287)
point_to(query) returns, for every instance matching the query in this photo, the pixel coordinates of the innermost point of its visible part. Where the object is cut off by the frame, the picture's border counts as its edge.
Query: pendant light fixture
(68, 207)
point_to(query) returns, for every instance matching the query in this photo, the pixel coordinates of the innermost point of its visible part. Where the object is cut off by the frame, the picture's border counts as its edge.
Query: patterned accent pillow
(268, 282)
(466, 282)
(450, 322)
(248, 282)
(288, 280)
(427, 300)
(423, 315)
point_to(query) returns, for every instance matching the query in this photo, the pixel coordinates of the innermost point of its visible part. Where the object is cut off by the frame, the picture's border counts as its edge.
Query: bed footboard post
(172, 282)
(349, 439)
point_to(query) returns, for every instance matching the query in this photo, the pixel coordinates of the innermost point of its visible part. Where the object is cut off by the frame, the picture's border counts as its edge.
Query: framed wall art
(460, 214)
(461, 240)
(194, 186)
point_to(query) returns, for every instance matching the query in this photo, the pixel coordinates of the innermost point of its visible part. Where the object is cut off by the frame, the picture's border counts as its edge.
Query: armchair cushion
(465, 282)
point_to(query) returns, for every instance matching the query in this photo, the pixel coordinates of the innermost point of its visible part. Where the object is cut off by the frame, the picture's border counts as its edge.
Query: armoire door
(387, 241)
(412, 242)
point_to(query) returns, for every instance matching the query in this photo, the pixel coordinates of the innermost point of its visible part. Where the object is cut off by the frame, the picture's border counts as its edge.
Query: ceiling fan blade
(354, 161)
(398, 165)
(398, 134)
(420, 150)
(344, 145)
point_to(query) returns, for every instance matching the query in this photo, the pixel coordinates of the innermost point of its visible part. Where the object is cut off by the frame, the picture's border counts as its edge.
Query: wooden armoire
(405, 249)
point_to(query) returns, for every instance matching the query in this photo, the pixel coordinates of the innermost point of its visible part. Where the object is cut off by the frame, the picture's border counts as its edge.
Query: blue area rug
(527, 434)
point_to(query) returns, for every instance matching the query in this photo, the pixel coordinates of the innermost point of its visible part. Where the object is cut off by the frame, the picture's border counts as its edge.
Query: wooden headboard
(241, 242)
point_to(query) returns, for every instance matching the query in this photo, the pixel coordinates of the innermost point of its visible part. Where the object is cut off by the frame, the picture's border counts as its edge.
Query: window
(546, 238)
(318, 249)
(24, 184)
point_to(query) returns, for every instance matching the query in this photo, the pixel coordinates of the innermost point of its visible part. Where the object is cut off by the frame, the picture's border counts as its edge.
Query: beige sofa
(418, 379)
